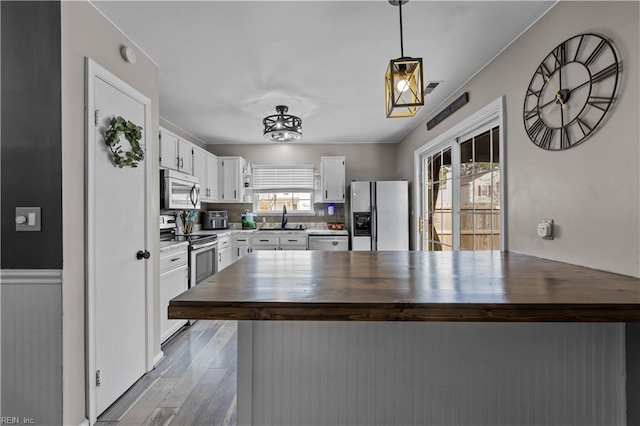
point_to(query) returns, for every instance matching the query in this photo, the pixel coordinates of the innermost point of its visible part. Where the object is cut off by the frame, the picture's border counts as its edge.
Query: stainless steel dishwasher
(329, 242)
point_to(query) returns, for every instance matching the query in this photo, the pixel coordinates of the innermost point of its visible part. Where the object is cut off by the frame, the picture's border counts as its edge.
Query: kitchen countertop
(166, 245)
(308, 231)
(409, 286)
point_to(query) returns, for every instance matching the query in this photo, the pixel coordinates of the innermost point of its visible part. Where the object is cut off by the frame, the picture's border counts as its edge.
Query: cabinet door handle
(175, 258)
(178, 161)
(235, 194)
(182, 163)
(326, 194)
(238, 251)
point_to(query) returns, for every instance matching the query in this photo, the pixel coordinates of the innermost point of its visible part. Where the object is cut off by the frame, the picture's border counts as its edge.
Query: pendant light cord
(401, 43)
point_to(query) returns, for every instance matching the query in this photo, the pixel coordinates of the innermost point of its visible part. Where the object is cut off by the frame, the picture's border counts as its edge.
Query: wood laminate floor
(195, 384)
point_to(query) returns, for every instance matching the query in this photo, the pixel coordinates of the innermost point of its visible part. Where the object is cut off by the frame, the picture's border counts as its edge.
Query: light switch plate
(32, 216)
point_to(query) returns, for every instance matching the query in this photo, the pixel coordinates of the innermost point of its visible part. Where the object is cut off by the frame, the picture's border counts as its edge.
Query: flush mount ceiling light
(403, 80)
(282, 127)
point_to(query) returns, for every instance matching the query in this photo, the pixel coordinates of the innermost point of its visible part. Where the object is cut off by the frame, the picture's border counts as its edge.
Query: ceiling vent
(430, 86)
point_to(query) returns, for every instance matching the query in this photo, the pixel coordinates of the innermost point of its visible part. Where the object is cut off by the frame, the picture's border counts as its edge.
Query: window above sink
(278, 185)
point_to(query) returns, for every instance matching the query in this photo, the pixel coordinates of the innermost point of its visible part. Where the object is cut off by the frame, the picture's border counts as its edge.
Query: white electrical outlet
(545, 229)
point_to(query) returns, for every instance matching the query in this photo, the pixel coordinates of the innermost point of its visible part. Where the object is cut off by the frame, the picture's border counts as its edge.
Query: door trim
(94, 70)
(491, 112)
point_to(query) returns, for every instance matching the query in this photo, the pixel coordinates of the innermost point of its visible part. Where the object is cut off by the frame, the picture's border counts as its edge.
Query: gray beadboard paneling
(31, 131)
(633, 373)
(350, 373)
(31, 332)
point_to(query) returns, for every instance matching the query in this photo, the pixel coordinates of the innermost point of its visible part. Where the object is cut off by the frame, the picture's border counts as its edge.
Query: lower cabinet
(241, 247)
(264, 243)
(284, 242)
(224, 252)
(174, 280)
(297, 242)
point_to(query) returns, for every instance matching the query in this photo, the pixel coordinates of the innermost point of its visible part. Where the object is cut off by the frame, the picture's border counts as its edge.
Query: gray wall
(592, 191)
(87, 33)
(31, 174)
(364, 161)
(31, 168)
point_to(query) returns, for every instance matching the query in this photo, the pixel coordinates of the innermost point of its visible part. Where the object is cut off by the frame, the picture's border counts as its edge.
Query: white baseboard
(156, 359)
(85, 422)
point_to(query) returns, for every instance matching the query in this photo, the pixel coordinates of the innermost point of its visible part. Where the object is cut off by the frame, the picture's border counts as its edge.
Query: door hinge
(97, 378)
(96, 115)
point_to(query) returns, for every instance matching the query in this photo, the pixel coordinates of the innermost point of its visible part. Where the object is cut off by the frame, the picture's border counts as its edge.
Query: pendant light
(282, 127)
(403, 80)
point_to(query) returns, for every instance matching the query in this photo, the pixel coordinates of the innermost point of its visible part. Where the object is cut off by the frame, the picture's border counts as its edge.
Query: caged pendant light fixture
(403, 80)
(282, 127)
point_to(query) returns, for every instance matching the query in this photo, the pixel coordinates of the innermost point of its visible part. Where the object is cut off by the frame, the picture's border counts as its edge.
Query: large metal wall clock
(571, 91)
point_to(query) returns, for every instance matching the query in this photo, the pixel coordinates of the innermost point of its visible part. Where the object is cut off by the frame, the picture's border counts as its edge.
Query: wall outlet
(545, 229)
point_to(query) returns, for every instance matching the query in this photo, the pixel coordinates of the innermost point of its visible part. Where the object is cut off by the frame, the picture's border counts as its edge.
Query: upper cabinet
(333, 173)
(233, 173)
(175, 153)
(205, 168)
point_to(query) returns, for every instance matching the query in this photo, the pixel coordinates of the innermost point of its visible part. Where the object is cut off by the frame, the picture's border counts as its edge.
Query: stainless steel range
(203, 250)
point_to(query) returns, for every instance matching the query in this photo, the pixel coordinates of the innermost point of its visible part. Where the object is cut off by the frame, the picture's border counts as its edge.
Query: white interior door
(117, 231)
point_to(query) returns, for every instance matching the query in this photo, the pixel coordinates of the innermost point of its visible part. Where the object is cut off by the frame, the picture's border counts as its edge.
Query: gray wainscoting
(339, 373)
(31, 333)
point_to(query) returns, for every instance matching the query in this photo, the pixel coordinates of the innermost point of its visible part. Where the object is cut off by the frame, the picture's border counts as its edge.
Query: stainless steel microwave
(179, 191)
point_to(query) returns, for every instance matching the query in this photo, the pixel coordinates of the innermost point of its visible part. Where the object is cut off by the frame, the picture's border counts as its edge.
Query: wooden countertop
(409, 286)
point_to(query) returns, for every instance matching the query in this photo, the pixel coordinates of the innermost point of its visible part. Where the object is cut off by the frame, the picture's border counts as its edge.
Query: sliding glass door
(461, 193)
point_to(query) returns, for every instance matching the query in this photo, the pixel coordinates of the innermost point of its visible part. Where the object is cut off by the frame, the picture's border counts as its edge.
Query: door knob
(143, 255)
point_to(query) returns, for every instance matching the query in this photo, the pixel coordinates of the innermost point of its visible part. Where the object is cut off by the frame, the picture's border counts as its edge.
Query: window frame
(284, 189)
(490, 116)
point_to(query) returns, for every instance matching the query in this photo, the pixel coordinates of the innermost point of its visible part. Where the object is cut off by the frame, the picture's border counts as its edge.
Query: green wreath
(132, 133)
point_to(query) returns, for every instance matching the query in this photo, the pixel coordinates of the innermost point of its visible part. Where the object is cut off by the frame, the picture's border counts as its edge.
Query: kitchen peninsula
(421, 338)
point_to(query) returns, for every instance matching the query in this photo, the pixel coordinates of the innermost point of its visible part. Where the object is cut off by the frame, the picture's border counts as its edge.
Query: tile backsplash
(320, 217)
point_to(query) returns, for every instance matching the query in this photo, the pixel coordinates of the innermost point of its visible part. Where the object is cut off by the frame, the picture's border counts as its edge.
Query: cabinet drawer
(293, 241)
(223, 242)
(171, 259)
(264, 241)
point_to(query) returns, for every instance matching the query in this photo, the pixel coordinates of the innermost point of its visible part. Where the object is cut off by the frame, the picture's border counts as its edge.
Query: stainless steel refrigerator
(379, 215)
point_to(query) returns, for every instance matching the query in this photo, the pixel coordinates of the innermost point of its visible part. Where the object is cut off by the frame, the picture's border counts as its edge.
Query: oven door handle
(203, 246)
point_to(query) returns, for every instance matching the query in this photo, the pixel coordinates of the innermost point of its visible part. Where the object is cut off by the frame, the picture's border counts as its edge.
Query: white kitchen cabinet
(175, 153)
(293, 242)
(205, 168)
(264, 243)
(212, 177)
(224, 252)
(282, 242)
(333, 174)
(174, 279)
(241, 247)
(232, 173)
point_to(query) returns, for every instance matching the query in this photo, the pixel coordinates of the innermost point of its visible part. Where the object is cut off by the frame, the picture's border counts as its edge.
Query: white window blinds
(282, 177)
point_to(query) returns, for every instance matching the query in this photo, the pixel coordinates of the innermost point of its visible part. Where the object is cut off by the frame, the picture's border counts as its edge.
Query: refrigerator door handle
(374, 218)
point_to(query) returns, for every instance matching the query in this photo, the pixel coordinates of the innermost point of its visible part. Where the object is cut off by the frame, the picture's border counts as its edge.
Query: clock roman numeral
(540, 70)
(596, 52)
(560, 54)
(565, 140)
(595, 100)
(535, 129)
(584, 125)
(547, 138)
(531, 113)
(575, 58)
(535, 93)
(605, 73)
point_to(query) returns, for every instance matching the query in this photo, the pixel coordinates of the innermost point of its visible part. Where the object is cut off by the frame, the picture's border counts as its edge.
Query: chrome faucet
(284, 216)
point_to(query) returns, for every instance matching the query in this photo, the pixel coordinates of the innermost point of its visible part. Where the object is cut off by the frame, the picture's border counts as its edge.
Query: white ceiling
(225, 65)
